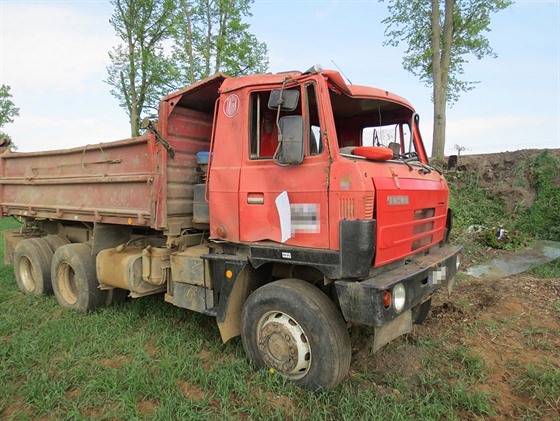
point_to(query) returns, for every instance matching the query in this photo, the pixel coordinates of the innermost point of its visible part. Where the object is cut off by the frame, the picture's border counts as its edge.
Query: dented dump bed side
(108, 182)
(132, 181)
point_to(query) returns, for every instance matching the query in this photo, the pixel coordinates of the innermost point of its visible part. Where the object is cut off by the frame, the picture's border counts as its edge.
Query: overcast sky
(53, 54)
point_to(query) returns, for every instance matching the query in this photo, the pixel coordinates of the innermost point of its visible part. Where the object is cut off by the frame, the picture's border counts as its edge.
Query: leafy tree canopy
(168, 44)
(410, 22)
(7, 109)
(7, 113)
(440, 36)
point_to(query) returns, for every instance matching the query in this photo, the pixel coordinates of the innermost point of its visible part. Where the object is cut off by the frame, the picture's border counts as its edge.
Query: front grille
(420, 228)
(420, 214)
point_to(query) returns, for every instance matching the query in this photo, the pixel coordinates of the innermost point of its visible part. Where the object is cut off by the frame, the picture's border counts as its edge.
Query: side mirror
(290, 147)
(287, 100)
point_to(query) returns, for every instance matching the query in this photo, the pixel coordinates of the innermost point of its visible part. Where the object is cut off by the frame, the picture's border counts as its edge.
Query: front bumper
(362, 302)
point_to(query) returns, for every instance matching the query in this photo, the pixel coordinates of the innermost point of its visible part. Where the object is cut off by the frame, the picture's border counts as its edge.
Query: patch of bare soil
(511, 324)
(147, 407)
(191, 391)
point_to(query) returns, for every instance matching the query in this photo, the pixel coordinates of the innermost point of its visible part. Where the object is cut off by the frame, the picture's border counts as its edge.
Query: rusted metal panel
(132, 182)
(108, 182)
(189, 132)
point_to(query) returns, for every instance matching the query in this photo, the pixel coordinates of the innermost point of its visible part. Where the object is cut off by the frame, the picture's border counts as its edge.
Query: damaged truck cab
(288, 206)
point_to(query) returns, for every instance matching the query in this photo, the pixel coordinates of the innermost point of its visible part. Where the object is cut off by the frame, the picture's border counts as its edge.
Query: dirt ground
(512, 323)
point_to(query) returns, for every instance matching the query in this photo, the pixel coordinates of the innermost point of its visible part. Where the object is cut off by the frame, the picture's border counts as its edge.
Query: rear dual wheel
(74, 278)
(32, 263)
(32, 266)
(293, 328)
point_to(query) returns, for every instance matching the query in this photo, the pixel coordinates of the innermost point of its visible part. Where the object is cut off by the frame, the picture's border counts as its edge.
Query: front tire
(74, 278)
(295, 329)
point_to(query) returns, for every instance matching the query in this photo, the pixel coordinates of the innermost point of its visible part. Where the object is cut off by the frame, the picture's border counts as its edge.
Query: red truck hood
(411, 210)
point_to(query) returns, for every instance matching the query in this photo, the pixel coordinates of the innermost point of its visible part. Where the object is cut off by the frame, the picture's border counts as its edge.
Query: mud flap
(393, 329)
(229, 315)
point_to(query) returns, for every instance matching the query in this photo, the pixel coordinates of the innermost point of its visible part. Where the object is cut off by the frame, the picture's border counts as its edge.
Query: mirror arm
(279, 103)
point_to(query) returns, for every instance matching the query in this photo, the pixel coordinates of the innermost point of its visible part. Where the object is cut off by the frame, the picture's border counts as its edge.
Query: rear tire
(74, 278)
(295, 329)
(56, 241)
(32, 266)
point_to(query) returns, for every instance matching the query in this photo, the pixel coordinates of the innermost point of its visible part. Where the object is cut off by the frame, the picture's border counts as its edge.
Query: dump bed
(132, 181)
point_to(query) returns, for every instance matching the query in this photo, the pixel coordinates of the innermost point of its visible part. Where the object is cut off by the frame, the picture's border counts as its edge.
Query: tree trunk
(438, 145)
(439, 111)
(441, 56)
(208, 37)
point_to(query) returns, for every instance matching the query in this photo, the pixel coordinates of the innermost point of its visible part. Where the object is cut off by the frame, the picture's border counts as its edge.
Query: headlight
(399, 297)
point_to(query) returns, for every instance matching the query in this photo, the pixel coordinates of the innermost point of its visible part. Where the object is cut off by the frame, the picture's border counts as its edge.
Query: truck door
(297, 192)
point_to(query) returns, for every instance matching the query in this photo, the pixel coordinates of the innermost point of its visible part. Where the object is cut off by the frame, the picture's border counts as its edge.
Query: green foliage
(478, 213)
(549, 270)
(439, 44)
(542, 220)
(409, 22)
(7, 109)
(139, 69)
(542, 383)
(210, 36)
(168, 44)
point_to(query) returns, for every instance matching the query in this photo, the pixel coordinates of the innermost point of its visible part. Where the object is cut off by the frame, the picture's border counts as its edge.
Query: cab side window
(263, 128)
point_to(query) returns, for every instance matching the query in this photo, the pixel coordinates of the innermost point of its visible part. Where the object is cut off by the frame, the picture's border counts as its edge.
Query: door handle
(255, 198)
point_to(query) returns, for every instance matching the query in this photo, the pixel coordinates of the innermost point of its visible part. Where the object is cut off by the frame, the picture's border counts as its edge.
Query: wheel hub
(283, 345)
(27, 274)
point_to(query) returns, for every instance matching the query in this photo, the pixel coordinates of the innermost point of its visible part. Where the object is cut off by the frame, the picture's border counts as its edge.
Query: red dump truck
(288, 206)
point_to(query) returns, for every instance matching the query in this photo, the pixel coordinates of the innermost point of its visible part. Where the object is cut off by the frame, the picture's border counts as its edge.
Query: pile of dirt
(507, 175)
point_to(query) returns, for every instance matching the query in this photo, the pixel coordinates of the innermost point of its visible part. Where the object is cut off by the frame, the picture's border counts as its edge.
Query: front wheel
(295, 329)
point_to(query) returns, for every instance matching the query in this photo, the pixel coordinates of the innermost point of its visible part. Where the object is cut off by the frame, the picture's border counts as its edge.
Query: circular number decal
(231, 105)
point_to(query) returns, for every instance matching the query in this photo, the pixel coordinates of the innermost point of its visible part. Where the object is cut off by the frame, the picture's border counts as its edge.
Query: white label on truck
(286, 255)
(231, 105)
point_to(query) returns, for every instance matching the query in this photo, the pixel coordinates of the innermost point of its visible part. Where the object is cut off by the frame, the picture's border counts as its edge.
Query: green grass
(547, 271)
(543, 384)
(144, 359)
(542, 219)
(536, 337)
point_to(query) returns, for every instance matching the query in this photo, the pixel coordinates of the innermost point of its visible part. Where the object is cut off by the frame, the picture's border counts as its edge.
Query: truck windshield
(372, 122)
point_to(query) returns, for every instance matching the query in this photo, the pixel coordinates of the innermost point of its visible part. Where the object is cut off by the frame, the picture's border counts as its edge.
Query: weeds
(542, 383)
(543, 219)
(549, 270)
(537, 338)
(479, 213)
